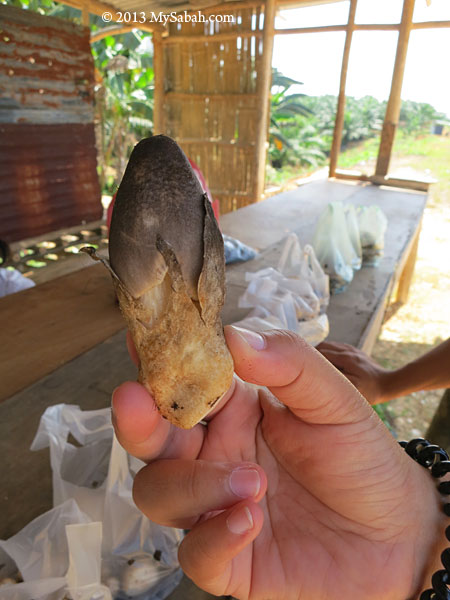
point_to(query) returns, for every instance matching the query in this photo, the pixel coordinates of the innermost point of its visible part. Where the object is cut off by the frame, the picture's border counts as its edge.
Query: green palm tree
(292, 139)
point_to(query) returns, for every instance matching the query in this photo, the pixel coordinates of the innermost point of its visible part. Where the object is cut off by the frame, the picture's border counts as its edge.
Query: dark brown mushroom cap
(159, 196)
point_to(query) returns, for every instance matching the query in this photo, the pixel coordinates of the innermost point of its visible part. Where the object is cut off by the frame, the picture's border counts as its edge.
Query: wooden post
(85, 15)
(394, 102)
(264, 84)
(404, 283)
(158, 97)
(339, 122)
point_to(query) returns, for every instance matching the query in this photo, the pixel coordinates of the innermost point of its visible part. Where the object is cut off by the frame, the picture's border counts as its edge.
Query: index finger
(143, 432)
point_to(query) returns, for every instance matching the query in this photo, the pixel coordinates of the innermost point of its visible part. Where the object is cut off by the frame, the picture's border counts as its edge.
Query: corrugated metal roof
(46, 69)
(48, 176)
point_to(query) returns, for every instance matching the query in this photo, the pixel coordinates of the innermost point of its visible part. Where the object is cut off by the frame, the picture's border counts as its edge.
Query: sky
(315, 58)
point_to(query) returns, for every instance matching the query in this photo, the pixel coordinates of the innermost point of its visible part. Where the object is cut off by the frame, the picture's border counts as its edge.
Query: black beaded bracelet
(436, 459)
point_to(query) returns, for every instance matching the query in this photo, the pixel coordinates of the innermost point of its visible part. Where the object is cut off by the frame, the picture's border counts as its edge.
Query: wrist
(431, 540)
(389, 385)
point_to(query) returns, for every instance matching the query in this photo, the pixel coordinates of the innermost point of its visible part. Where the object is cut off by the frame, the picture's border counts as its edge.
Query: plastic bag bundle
(95, 543)
(294, 296)
(354, 235)
(334, 248)
(236, 251)
(346, 239)
(372, 227)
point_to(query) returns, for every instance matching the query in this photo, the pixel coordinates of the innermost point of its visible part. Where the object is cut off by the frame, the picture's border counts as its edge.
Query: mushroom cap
(159, 197)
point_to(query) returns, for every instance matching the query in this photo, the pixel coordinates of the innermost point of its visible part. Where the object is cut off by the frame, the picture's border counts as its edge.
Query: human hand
(365, 374)
(296, 491)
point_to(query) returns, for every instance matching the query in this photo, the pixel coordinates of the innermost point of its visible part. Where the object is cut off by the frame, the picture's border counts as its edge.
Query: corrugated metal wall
(48, 177)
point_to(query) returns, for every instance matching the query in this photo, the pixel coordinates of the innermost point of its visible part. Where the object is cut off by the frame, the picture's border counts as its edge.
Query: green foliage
(301, 127)
(124, 100)
(292, 139)
(415, 116)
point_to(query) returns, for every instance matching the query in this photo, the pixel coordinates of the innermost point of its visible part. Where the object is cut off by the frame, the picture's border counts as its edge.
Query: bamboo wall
(210, 102)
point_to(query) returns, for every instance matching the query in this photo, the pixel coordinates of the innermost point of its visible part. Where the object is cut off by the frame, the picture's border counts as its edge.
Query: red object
(202, 180)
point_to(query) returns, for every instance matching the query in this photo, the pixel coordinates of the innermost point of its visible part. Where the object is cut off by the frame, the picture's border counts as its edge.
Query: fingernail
(253, 339)
(240, 521)
(245, 483)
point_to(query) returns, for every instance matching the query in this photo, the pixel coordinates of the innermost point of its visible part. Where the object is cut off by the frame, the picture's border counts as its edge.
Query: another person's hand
(295, 491)
(365, 374)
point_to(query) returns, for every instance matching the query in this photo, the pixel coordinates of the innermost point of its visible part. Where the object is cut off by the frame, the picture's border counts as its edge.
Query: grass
(414, 154)
(282, 177)
(423, 154)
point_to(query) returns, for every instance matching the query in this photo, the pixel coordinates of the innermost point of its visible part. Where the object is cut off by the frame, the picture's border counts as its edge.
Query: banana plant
(124, 100)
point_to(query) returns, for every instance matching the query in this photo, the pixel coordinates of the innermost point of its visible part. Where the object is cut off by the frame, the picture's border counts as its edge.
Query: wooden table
(356, 315)
(64, 341)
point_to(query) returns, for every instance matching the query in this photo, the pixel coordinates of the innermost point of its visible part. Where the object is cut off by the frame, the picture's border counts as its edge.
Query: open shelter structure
(213, 80)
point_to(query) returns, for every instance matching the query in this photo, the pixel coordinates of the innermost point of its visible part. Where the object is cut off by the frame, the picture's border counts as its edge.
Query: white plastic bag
(334, 248)
(293, 296)
(12, 281)
(92, 490)
(353, 233)
(40, 553)
(372, 226)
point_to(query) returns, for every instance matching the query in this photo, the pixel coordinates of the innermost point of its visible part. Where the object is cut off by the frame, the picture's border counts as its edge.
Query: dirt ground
(424, 321)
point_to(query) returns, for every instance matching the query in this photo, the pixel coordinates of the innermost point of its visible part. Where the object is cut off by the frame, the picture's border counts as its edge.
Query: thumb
(299, 376)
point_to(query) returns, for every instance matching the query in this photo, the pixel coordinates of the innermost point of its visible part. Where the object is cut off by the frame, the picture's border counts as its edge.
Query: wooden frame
(394, 103)
(406, 25)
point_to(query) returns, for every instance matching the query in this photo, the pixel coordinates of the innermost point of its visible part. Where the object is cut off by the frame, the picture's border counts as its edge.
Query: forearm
(428, 372)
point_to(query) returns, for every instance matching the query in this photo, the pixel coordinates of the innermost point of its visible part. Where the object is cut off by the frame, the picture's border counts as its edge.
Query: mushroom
(167, 261)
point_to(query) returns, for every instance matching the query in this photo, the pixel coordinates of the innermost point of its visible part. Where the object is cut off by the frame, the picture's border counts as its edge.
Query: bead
(441, 453)
(444, 487)
(428, 595)
(411, 447)
(425, 456)
(445, 559)
(430, 455)
(441, 468)
(439, 582)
